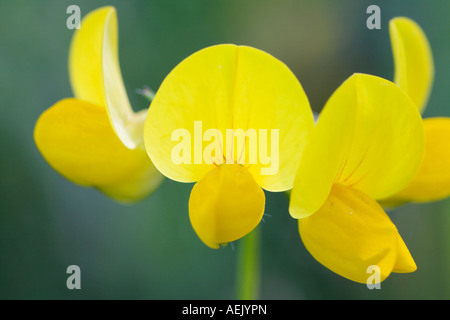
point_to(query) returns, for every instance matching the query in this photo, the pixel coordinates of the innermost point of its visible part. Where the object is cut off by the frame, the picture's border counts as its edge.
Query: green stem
(248, 272)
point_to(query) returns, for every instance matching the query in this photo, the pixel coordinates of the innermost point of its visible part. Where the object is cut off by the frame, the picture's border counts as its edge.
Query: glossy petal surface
(96, 77)
(225, 205)
(351, 232)
(77, 140)
(413, 60)
(369, 137)
(228, 87)
(432, 180)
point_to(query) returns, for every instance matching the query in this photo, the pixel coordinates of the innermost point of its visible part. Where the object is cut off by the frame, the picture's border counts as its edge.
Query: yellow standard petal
(388, 142)
(432, 180)
(222, 88)
(413, 60)
(77, 140)
(368, 137)
(324, 156)
(95, 74)
(350, 233)
(225, 205)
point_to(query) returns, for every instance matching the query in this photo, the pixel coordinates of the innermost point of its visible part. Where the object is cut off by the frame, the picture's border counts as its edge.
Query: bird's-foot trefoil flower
(96, 139)
(367, 145)
(414, 73)
(234, 120)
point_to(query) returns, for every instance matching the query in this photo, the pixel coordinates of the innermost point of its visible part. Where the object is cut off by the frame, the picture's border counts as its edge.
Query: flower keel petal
(225, 205)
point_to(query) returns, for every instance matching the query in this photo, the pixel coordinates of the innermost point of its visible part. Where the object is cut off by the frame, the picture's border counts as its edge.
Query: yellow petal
(77, 140)
(432, 180)
(228, 87)
(351, 232)
(413, 60)
(388, 142)
(225, 205)
(95, 74)
(324, 155)
(405, 262)
(137, 186)
(86, 58)
(268, 96)
(369, 137)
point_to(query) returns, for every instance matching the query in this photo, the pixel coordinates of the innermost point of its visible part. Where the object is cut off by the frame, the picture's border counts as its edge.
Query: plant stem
(248, 272)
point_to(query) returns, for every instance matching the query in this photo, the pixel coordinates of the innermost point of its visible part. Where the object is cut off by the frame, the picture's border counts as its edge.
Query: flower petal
(86, 58)
(95, 74)
(228, 87)
(369, 137)
(77, 140)
(268, 96)
(388, 142)
(225, 205)
(324, 156)
(413, 60)
(351, 232)
(432, 180)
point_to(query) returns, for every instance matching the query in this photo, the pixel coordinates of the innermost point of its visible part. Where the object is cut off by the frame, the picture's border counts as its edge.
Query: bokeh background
(149, 250)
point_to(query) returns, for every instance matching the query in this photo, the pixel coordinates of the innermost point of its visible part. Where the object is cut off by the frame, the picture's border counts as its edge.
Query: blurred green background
(149, 250)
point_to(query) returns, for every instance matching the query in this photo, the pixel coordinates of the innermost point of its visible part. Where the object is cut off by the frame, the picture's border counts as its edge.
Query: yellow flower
(95, 139)
(414, 72)
(367, 145)
(235, 120)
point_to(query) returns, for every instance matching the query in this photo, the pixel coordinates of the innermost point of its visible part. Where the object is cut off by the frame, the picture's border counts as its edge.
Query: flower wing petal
(77, 140)
(413, 60)
(351, 232)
